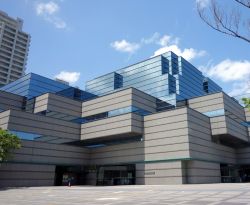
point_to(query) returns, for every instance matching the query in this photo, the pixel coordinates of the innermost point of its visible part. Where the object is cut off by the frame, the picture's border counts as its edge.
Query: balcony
(229, 131)
(113, 128)
(20, 44)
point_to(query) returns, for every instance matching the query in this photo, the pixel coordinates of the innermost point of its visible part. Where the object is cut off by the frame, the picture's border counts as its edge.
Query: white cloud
(48, 11)
(160, 40)
(240, 88)
(167, 40)
(164, 40)
(125, 46)
(203, 3)
(229, 70)
(58, 23)
(187, 53)
(167, 43)
(235, 73)
(71, 77)
(154, 38)
(170, 43)
(128, 47)
(46, 8)
(191, 53)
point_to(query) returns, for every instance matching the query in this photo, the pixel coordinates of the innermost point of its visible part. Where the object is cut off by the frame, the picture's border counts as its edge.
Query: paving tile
(209, 194)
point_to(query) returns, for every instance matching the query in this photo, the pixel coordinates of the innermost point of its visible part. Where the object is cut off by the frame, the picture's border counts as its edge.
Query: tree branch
(221, 22)
(246, 4)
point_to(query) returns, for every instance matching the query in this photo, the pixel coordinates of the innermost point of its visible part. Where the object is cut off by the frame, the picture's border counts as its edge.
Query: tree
(230, 22)
(8, 142)
(246, 101)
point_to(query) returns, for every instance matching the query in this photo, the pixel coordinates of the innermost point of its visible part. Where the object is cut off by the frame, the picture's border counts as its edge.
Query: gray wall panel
(120, 99)
(27, 122)
(4, 119)
(126, 123)
(56, 103)
(243, 155)
(167, 127)
(198, 172)
(14, 174)
(160, 173)
(10, 101)
(203, 147)
(45, 153)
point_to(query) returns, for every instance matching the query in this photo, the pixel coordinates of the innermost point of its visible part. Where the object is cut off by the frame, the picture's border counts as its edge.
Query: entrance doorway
(116, 175)
(229, 173)
(76, 175)
(244, 172)
(235, 173)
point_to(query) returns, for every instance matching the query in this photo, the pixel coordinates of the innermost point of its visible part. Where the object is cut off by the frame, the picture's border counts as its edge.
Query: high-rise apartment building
(14, 47)
(159, 121)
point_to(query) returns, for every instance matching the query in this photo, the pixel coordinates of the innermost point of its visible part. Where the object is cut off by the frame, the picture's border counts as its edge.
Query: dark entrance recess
(229, 173)
(235, 173)
(116, 175)
(244, 172)
(76, 174)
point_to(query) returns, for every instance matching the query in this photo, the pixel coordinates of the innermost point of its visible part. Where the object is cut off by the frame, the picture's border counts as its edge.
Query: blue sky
(82, 39)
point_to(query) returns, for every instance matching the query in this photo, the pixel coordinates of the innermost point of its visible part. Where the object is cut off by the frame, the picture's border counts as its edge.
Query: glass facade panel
(40, 138)
(215, 113)
(76, 94)
(113, 113)
(33, 85)
(167, 77)
(127, 110)
(246, 124)
(118, 81)
(25, 135)
(105, 84)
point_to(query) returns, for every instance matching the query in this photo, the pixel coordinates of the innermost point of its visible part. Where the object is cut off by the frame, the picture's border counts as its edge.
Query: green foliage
(246, 101)
(8, 141)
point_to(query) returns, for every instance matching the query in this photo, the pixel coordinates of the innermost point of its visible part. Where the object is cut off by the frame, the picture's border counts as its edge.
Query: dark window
(205, 86)
(118, 81)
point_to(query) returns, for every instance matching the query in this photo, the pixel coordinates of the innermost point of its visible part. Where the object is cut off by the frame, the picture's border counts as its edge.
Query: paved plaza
(211, 194)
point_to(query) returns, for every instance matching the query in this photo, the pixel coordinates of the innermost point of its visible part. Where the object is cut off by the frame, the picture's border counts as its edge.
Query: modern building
(159, 121)
(14, 47)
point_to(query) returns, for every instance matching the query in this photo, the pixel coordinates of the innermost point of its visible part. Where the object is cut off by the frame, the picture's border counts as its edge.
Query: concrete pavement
(205, 194)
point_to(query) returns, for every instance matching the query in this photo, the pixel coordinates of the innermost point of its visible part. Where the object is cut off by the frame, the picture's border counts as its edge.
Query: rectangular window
(215, 113)
(113, 113)
(118, 81)
(246, 124)
(205, 86)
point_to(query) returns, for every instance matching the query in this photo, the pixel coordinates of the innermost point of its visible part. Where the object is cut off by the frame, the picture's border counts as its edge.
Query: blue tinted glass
(33, 85)
(75, 93)
(96, 145)
(40, 138)
(118, 81)
(215, 113)
(160, 77)
(113, 113)
(25, 135)
(246, 124)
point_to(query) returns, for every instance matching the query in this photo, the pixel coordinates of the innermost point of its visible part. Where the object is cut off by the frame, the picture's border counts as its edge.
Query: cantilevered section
(226, 117)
